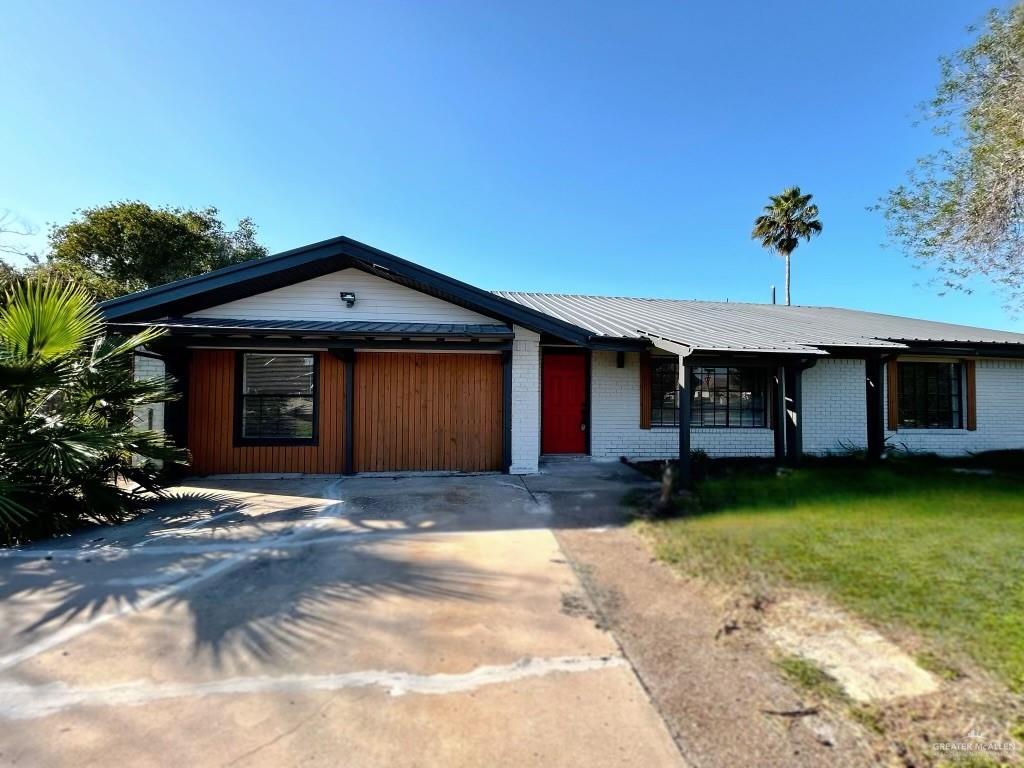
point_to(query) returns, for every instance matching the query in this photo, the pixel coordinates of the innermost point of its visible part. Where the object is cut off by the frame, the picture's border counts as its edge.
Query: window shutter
(893, 393)
(645, 390)
(972, 396)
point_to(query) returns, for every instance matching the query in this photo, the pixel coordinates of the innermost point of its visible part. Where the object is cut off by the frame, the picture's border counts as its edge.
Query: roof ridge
(657, 298)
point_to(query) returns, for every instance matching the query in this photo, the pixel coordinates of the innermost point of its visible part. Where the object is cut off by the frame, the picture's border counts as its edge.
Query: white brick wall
(615, 420)
(834, 406)
(149, 368)
(525, 401)
(1000, 409)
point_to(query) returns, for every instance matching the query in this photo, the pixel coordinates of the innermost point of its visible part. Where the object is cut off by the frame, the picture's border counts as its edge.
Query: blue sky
(590, 147)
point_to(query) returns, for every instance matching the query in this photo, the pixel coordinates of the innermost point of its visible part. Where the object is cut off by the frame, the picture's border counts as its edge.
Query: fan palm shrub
(67, 400)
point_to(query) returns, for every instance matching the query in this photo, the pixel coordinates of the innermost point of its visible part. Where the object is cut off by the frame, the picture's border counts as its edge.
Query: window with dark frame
(664, 391)
(720, 396)
(729, 397)
(930, 395)
(278, 397)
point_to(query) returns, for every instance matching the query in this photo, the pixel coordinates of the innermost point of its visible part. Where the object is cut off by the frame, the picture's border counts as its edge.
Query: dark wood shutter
(972, 396)
(893, 394)
(645, 390)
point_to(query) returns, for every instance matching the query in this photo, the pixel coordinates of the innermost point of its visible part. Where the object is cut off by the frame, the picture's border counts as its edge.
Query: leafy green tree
(67, 400)
(789, 218)
(8, 276)
(129, 246)
(961, 210)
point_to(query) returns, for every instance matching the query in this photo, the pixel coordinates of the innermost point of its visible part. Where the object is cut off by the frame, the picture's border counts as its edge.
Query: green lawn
(937, 552)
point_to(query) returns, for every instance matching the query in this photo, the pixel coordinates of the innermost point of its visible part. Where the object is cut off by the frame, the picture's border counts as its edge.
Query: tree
(13, 232)
(961, 210)
(67, 400)
(129, 246)
(789, 218)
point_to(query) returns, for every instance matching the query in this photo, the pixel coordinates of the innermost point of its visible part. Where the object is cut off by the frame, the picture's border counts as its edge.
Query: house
(340, 358)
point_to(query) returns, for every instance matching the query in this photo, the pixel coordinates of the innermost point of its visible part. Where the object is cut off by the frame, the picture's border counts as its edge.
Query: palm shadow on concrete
(279, 595)
(288, 593)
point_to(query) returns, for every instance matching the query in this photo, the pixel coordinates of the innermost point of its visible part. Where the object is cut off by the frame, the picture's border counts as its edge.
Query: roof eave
(337, 253)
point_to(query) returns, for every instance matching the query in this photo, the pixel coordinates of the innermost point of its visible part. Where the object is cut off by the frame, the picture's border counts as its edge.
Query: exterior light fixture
(348, 297)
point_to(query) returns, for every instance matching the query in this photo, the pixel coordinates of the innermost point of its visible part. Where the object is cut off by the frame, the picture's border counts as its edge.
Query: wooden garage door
(427, 411)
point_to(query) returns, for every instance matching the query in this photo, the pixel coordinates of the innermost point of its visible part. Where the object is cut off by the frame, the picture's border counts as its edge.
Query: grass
(922, 547)
(809, 677)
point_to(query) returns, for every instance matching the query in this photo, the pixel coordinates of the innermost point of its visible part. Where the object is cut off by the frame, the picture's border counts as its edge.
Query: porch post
(684, 421)
(794, 413)
(176, 366)
(874, 379)
(779, 408)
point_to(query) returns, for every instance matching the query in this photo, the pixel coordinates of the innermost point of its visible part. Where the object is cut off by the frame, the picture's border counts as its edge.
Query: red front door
(564, 406)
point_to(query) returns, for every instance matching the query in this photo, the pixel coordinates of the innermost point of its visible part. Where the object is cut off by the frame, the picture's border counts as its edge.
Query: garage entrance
(422, 411)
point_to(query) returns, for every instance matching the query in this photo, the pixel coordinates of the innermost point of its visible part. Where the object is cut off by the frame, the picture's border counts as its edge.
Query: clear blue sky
(585, 147)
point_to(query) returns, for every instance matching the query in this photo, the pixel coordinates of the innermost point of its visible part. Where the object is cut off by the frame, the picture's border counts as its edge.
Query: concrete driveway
(427, 621)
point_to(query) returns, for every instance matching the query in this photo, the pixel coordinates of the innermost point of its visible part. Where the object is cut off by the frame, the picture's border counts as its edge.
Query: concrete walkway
(359, 622)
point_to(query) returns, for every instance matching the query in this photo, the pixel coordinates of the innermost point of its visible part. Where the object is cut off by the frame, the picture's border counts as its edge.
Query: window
(664, 390)
(729, 397)
(278, 398)
(929, 395)
(720, 397)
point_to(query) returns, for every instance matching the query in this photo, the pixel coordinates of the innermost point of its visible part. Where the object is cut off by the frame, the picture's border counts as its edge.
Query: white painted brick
(149, 368)
(525, 401)
(1000, 410)
(615, 421)
(834, 406)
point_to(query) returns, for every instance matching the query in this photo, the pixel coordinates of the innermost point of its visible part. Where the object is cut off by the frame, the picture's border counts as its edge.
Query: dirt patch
(718, 690)
(714, 660)
(869, 667)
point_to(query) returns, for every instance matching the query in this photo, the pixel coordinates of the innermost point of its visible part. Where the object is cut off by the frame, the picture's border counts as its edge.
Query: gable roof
(738, 327)
(610, 322)
(238, 281)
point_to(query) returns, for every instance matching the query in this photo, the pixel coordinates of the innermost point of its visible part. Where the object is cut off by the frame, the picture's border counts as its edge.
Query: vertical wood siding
(211, 413)
(417, 411)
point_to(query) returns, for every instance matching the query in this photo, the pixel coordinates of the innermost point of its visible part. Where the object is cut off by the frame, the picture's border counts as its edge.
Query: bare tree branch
(12, 228)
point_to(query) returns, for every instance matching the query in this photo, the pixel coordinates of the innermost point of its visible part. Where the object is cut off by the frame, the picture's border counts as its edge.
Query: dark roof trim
(936, 348)
(260, 275)
(221, 326)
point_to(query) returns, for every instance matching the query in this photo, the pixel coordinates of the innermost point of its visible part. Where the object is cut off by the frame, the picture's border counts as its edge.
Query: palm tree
(67, 403)
(789, 218)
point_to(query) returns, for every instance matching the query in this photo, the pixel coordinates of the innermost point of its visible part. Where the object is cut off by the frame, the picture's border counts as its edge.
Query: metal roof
(739, 327)
(186, 296)
(348, 327)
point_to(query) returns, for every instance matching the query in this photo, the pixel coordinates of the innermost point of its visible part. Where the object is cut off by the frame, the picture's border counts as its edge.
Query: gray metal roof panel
(328, 327)
(733, 326)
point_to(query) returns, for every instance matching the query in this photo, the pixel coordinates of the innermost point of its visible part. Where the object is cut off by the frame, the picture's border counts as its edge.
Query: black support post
(176, 365)
(779, 414)
(874, 379)
(684, 421)
(794, 414)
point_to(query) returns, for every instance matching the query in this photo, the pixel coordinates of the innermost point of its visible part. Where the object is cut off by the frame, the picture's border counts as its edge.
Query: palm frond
(788, 218)
(42, 320)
